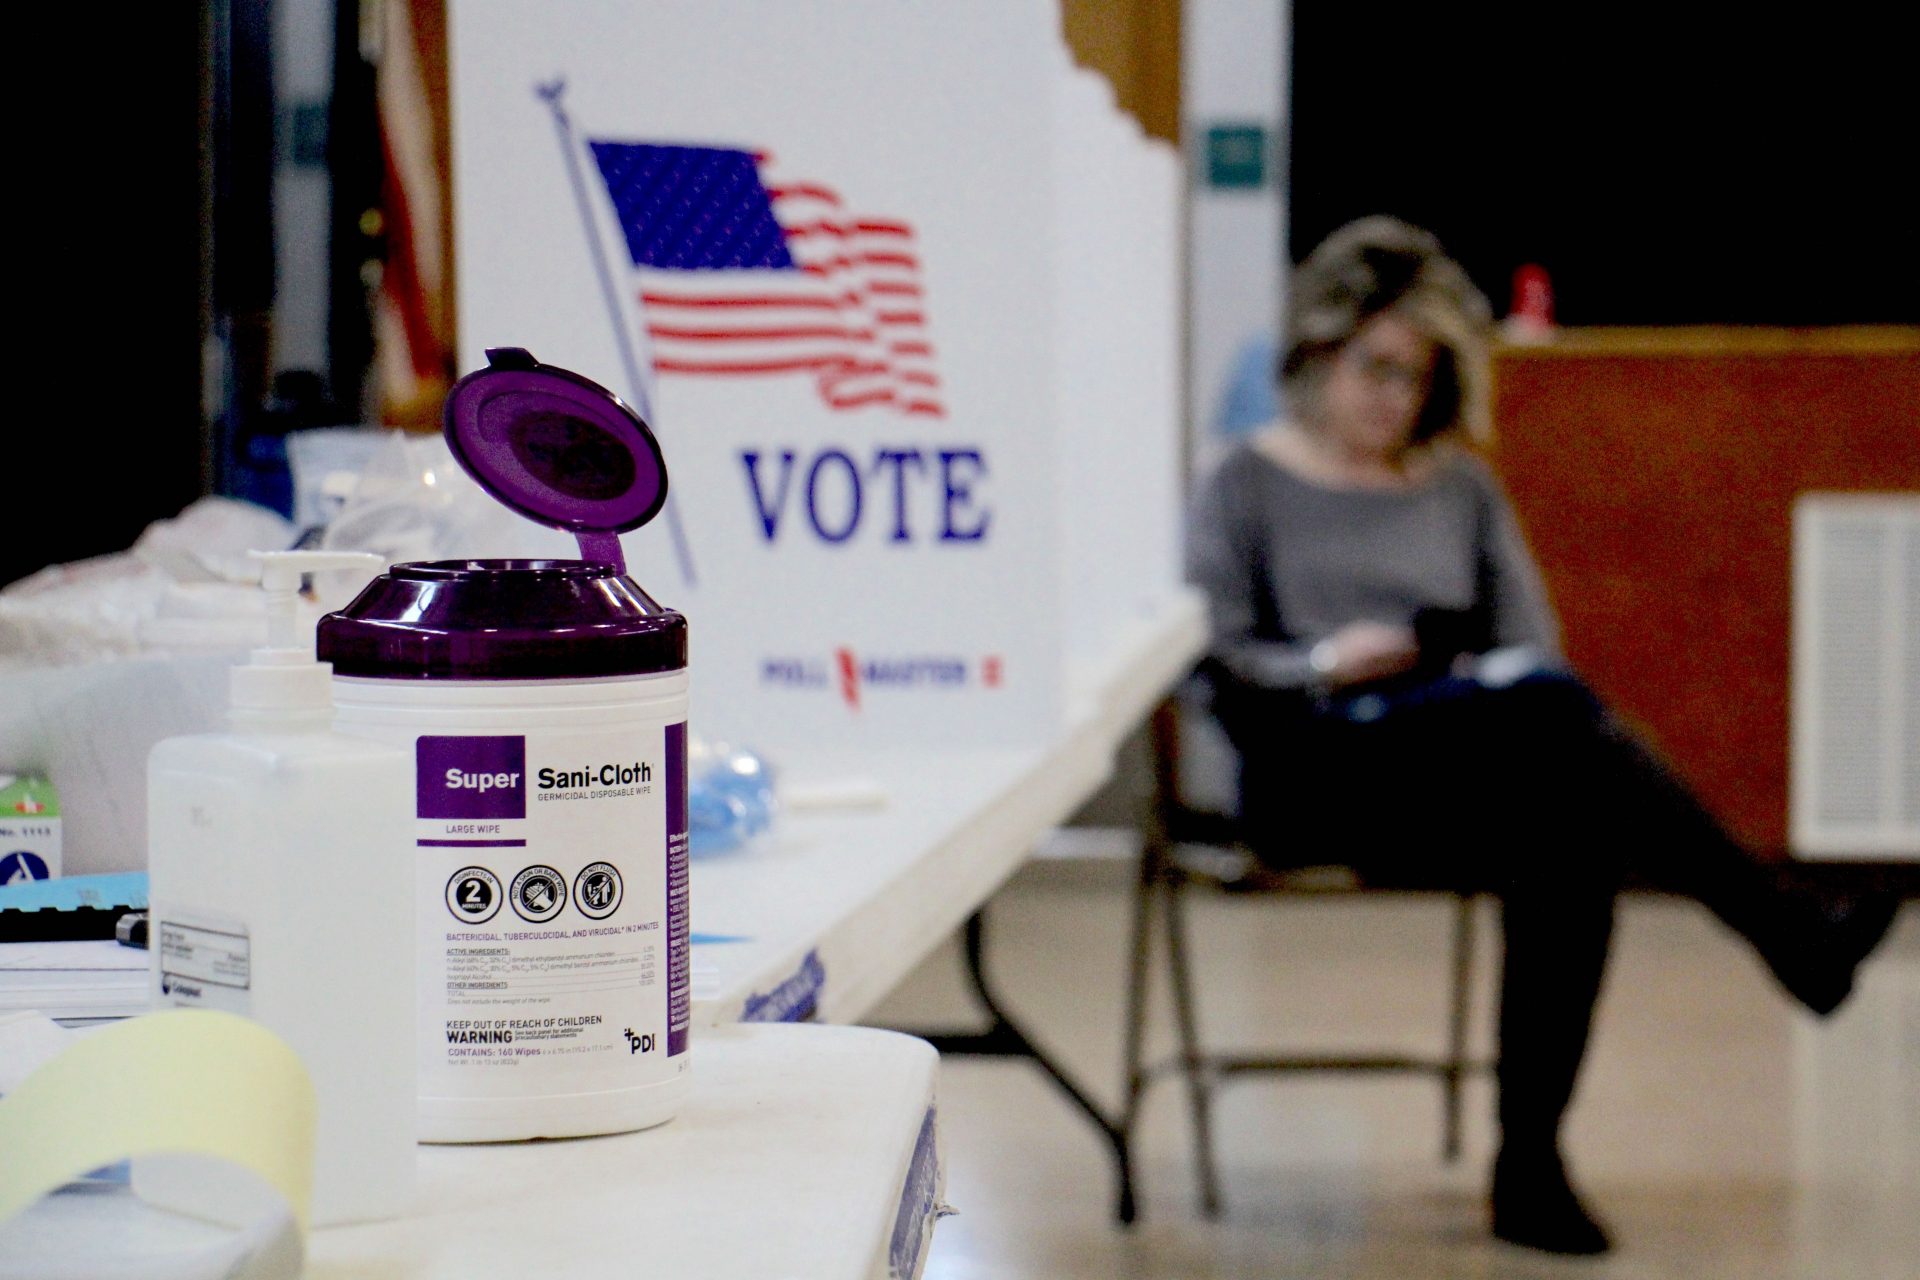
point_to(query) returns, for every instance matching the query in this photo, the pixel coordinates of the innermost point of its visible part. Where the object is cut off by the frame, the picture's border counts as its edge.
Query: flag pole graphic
(550, 93)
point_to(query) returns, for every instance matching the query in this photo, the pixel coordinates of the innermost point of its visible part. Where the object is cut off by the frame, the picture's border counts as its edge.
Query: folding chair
(1189, 850)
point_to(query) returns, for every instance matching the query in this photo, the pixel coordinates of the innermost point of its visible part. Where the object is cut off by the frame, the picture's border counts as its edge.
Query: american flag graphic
(740, 273)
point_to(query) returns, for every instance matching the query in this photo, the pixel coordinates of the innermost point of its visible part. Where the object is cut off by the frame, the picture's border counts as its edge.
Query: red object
(1654, 471)
(849, 677)
(1532, 297)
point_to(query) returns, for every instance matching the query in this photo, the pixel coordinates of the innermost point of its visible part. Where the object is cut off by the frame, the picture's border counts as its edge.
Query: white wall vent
(1856, 676)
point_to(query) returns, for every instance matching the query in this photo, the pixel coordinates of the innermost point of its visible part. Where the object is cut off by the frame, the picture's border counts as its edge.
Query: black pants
(1532, 792)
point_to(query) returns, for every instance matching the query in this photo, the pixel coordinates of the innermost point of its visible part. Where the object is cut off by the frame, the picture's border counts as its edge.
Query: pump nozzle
(280, 575)
(283, 681)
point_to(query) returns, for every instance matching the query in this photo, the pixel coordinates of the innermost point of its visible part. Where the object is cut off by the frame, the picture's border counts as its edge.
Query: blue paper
(70, 893)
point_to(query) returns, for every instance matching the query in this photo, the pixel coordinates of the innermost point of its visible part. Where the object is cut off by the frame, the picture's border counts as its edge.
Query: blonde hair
(1380, 264)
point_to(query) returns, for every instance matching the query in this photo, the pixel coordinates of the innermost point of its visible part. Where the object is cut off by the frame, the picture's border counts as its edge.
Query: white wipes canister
(542, 706)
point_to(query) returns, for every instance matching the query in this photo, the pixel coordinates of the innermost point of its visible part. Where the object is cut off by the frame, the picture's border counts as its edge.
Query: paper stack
(74, 983)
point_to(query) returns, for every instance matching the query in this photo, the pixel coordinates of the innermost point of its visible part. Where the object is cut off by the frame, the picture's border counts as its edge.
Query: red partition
(1655, 472)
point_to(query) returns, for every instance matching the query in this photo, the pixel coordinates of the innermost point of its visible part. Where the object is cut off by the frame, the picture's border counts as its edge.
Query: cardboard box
(29, 829)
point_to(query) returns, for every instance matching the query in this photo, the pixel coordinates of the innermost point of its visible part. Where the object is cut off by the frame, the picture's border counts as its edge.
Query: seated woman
(1385, 659)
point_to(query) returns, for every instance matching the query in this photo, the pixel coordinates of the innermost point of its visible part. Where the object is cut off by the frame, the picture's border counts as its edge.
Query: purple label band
(919, 1203)
(476, 777)
(797, 999)
(471, 844)
(679, 918)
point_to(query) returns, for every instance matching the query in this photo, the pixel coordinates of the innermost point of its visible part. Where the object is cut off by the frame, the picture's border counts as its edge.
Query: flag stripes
(737, 277)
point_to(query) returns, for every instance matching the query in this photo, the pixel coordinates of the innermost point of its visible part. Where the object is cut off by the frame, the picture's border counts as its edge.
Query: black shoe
(1535, 1206)
(1818, 963)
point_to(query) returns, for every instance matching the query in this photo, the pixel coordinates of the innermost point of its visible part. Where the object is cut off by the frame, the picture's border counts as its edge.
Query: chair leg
(1192, 1062)
(1456, 1068)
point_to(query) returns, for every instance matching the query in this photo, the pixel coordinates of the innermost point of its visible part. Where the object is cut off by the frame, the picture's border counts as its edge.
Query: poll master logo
(471, 777)
(854, 677)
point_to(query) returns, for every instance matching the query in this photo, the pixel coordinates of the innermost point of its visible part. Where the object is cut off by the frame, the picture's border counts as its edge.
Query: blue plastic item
(729, 800)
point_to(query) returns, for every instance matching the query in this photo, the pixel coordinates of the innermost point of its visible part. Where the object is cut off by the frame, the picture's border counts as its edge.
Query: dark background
(1667, 166)
(1664, 170)
(103, 431)
(144, 167)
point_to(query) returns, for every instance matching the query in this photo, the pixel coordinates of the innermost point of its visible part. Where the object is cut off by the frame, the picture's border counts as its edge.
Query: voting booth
(897, 289)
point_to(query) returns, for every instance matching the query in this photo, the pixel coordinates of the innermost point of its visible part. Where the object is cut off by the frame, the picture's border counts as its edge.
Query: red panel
(1655, 474)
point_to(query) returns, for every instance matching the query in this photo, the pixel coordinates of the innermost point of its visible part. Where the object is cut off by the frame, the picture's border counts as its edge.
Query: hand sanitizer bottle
(280, 890)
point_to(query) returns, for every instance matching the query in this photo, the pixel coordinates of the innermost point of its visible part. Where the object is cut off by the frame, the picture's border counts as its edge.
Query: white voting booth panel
(857, 416)
(896, 287)
(1116, 240)
(1046, 285)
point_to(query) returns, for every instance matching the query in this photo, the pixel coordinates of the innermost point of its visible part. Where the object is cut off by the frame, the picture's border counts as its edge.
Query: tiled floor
(1683, 1135)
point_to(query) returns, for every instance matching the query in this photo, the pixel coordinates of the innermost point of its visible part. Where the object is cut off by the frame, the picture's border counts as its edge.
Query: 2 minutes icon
(473, 895)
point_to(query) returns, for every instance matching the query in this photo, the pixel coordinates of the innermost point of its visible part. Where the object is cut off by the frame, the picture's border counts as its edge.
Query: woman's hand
(1363, 651)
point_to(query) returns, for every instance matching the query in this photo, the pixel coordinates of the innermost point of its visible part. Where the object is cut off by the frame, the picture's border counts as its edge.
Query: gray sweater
(1285, 562)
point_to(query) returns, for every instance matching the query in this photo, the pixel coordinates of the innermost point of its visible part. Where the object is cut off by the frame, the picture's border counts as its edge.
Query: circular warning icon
(473, 895)
(538, 893)
(596, 890)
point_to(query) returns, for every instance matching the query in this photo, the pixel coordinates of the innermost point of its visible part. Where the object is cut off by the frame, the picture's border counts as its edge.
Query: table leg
(1005, 1038)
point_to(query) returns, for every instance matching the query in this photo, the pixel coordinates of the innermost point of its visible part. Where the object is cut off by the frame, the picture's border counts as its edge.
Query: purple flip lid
(502, 620)
(558, 448)
(566, 452)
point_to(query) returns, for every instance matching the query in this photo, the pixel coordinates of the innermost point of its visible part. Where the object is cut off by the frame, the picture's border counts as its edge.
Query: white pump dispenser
(282, 681)
(282, 889)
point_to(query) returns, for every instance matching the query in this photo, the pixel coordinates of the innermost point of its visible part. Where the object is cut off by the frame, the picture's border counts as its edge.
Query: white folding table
(803, 1150)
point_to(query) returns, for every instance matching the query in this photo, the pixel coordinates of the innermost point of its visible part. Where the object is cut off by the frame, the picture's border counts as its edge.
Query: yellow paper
(187, 1080)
